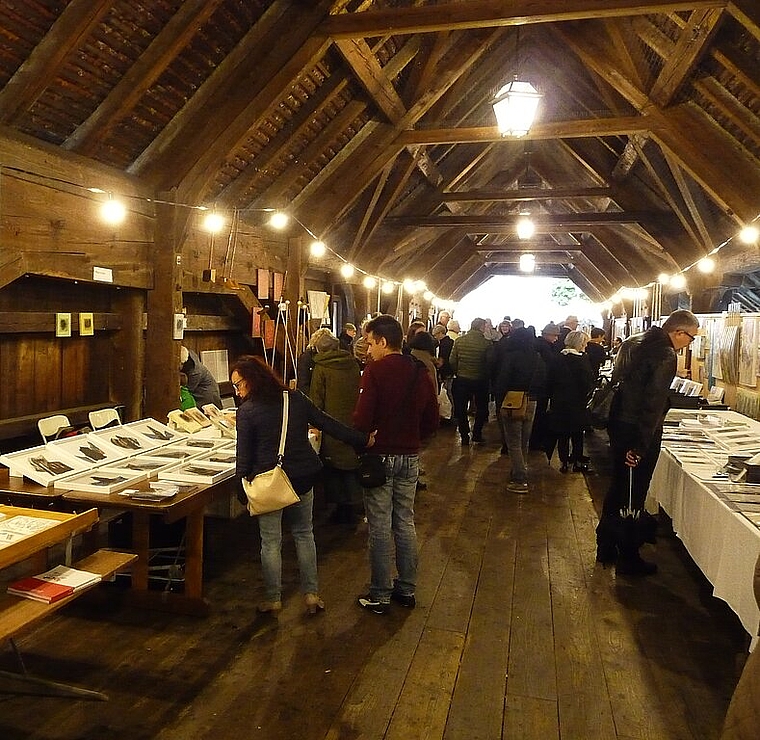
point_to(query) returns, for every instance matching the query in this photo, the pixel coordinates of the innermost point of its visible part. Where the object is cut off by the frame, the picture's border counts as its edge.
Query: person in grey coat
(200, 381)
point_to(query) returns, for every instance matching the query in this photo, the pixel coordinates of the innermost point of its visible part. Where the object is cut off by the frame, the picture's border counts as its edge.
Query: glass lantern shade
(515, 107)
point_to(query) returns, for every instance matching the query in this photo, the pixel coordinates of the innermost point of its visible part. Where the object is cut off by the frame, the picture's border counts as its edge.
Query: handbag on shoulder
(600, 404)
(272, 490)
(515, 403)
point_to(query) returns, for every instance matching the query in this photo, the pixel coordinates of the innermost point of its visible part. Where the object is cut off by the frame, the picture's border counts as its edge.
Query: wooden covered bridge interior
(370, 124)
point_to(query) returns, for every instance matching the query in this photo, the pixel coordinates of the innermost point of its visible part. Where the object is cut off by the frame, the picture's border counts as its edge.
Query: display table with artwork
(717, 518)
(144, 468)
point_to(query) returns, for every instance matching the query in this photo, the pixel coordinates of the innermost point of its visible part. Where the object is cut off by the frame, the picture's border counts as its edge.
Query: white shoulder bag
(272, 490)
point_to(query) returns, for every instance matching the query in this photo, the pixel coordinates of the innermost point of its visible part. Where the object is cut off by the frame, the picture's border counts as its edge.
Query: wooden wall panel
(48, 381)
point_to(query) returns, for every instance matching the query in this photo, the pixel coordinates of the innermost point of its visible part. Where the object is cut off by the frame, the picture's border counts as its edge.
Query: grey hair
(679, 320)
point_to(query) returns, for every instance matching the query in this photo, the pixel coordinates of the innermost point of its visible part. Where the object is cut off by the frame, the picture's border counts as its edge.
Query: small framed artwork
(63, 324)
(86, 325)
(179, 326)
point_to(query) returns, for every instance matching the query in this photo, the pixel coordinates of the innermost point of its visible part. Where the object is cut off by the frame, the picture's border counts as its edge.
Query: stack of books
(53, 585)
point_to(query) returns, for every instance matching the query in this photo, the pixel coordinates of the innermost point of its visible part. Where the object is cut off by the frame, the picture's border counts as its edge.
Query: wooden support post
(162, 357)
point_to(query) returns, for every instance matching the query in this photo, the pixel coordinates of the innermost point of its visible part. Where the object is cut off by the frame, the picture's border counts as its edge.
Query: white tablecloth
(722, 542)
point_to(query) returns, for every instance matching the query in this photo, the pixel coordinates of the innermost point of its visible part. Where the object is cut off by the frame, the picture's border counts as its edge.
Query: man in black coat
(635, 430)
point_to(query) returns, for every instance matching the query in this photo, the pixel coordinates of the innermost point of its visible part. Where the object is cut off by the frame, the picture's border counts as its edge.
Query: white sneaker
(516, 487)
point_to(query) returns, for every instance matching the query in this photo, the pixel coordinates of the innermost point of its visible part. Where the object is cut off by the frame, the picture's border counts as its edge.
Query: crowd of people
(384, 389)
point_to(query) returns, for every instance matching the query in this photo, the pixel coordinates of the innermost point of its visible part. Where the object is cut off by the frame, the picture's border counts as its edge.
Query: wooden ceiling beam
(683, 186)
(493, 13)
(364, 65)
(542, 221)
(747, 13)
(526, 194)
(585, 128)
(173, 37)
(691, 45)
(732, 180)
(740, 115)
(74, 24)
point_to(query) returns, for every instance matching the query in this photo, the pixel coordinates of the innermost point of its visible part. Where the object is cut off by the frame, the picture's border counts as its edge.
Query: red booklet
(39, 590)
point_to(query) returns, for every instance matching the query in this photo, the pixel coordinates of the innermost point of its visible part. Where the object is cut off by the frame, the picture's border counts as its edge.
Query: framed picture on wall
(63, 324)
(86, 325)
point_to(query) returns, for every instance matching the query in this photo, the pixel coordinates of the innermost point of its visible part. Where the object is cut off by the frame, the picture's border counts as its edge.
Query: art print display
(125, 439)
(43, 465)
(199, 471)
(154, 430)
(748, 352)
(89, 448)
(101, 480)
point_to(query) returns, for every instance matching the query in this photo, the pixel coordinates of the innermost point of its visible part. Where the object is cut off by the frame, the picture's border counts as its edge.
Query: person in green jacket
(334, 389)
(470, 361)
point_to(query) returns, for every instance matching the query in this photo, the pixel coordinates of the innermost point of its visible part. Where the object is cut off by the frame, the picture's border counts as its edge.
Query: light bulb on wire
(213, 222)
(113, 212)
(369, 282)
(347, 270)
(706, 265)
(318, 249)
(678, 282)
(278, 220)
(388, 287)
(749, 234)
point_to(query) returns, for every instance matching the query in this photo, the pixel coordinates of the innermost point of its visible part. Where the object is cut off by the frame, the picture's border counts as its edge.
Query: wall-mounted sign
(102, 274)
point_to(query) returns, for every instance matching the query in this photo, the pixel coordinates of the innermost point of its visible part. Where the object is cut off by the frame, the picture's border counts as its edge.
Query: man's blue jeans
(270, 527)
(390, 515)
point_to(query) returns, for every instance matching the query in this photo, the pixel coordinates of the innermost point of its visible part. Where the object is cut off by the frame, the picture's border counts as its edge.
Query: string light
(278, 220)
(113, 211)
(369, 282)
(347, 270)
(749, 234)
(318, 249)
(388, 287)
(706, 265)
(214, 222)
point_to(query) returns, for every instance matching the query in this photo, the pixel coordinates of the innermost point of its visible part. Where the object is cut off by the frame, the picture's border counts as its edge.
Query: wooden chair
(51, 425)
(104, 418)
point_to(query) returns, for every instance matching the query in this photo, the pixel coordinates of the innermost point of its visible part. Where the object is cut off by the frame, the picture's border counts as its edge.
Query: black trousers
(462, 390)
(621, 495)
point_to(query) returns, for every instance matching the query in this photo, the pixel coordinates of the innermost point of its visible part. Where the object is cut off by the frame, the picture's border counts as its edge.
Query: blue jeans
(270, 528)
(390, 515)
(518, 436)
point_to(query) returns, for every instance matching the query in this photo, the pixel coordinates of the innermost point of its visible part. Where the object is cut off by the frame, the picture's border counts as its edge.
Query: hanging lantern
(515, 107)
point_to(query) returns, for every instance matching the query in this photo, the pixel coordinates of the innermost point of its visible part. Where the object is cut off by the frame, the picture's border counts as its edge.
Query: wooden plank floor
(518, 633)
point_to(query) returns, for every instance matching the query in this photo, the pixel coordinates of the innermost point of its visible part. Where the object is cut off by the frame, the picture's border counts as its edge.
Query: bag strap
(284, 430)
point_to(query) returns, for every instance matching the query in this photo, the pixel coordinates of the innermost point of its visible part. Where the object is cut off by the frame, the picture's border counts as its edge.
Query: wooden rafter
(543, 222)
(691, 45)
(690, 201)
(584, 128)
(73, 25)
(493, 13)
(365, 67)
(527, 194)
(748, 14)
(175, 35)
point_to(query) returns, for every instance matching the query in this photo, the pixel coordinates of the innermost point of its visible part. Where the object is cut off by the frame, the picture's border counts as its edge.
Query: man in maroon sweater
(396, 398)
